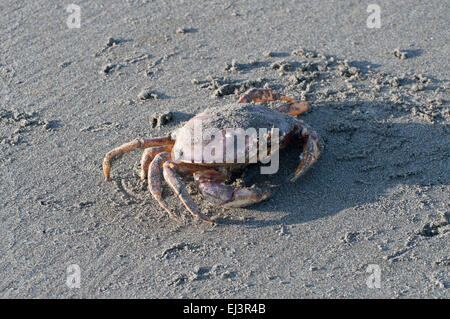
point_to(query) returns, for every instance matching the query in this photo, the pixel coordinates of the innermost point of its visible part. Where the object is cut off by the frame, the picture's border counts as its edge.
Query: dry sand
(378, 196)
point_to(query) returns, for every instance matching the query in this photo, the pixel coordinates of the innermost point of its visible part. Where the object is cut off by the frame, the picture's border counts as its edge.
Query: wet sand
(378, 195)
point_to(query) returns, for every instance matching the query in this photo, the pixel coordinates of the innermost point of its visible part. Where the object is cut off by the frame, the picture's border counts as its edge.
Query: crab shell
(231, 134)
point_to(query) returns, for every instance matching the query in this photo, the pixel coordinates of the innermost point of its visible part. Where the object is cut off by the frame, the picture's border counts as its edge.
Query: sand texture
(379, 195)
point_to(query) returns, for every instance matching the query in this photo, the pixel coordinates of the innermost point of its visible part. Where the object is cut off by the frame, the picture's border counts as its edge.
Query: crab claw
(312, 149)
(210, 185)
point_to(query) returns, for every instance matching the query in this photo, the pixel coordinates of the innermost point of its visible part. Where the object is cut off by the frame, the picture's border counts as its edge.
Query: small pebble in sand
(309, 67)
(65, 64)
(293, 79)
(281, 66)
(304, 54)
(108, 68)
(394, 82)
(49, 125)
(308, 88)
(313, 268)
(226, 89)
(349, 237)
(400, 54)
(233, 67)
(227, 275)
(422, 79)
(211, 83)
(159, 119)
(147, 94)
(182, 30)
(111, 42)
(416, 88)
(345, 70)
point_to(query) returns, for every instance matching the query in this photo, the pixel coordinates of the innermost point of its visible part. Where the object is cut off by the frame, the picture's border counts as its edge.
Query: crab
(174, 154)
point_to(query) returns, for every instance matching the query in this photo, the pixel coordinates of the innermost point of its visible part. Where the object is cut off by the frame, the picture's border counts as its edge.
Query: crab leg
(210, 184)
(263, 95)
(149, 154)
(173, 179)
(138, 143)
(293, 108)
(154, 181)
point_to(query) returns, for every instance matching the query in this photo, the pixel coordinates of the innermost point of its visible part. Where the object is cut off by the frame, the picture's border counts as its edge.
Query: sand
(376, 199)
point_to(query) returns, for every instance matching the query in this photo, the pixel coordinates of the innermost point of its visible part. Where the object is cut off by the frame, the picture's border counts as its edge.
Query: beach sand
(369, 220)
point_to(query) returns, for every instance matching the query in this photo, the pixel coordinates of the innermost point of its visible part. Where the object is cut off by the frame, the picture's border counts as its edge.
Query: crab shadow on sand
(370, 148)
